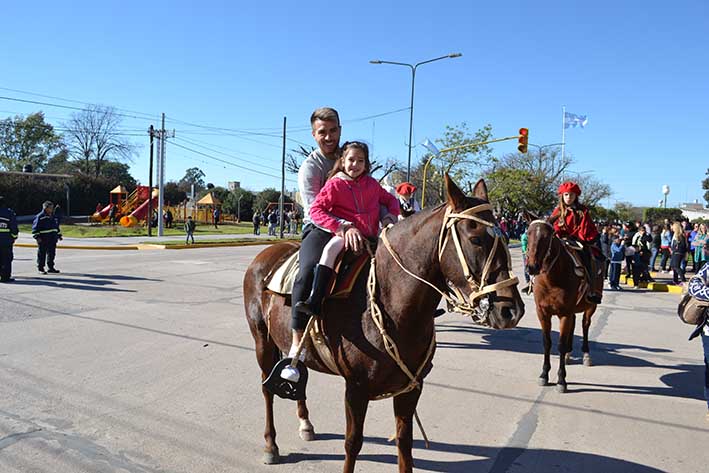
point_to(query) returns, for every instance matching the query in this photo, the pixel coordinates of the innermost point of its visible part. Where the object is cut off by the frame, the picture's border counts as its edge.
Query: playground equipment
(131, 208)
(141, 211)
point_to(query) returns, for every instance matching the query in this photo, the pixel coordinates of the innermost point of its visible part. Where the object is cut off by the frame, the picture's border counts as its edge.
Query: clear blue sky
(638, 70)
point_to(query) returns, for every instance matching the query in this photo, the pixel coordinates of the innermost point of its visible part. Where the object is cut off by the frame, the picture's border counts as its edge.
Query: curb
(151, 246)
(654, 286)
(83, 247)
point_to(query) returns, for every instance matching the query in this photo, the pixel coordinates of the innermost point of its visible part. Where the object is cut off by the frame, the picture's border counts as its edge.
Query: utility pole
(283, 177)
(161, 173)
(149, 218)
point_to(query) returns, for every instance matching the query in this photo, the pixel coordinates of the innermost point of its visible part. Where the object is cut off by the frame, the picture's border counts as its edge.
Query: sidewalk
(131, 243)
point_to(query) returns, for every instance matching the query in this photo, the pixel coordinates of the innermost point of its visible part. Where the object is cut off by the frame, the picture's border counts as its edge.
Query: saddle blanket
(282, 279)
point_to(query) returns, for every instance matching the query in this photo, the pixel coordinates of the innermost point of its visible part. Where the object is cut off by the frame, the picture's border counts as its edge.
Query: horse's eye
(476, 240)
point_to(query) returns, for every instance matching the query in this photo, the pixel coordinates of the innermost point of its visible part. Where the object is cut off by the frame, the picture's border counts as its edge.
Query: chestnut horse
(415, 264)
(556, 292)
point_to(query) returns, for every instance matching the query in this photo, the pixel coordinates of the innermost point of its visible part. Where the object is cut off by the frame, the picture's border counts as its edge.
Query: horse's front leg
(404, 408)
(305, 429)
(585, 324)
(545, 322)
(356, 402)
(566, 337)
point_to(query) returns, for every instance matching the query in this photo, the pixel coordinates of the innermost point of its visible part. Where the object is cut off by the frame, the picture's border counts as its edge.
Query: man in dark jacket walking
(45, 229)
(8, 235)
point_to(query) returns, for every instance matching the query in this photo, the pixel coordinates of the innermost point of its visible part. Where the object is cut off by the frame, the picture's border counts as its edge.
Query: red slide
(138, 214)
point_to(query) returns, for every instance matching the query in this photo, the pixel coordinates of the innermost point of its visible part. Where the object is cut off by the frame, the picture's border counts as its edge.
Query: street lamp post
(411, 107)
(665, 190)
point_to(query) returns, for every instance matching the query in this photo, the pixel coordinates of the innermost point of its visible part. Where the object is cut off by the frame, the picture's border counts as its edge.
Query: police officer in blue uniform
(45, 229)
(8, 235)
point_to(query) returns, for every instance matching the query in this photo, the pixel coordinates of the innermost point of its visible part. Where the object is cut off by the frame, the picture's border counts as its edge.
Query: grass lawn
(208, 241)
(99, 230)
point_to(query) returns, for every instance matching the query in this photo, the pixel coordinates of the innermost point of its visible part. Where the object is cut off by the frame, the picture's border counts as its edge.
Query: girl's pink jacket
(355, 201)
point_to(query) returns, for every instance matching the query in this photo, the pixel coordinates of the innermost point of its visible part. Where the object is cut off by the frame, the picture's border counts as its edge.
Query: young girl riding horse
(348, 207)
(571, 219)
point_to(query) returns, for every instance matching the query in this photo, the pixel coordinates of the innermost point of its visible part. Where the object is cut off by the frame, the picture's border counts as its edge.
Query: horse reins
(454, 297)
(456, 300)
(551, 241)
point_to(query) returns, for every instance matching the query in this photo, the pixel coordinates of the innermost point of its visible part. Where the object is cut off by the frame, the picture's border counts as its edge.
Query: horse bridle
(456, 300)
(551, 241)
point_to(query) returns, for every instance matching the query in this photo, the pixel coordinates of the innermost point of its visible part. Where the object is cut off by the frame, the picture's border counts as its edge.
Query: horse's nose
(533, 269)
(510, 316)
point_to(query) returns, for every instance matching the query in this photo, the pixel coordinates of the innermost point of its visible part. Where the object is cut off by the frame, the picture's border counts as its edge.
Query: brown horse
(415, 264)
(557, 291)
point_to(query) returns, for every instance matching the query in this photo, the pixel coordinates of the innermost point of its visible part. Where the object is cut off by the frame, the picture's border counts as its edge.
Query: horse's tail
(257, 298)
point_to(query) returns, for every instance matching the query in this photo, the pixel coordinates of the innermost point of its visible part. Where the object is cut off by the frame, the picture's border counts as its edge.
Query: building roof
(209, 199)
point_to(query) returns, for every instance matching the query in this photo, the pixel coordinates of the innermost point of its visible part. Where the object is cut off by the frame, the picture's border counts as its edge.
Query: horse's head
(475, 261)
(540, 235)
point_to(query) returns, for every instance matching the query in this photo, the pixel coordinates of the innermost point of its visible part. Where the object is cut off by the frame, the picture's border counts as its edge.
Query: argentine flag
(571, 119)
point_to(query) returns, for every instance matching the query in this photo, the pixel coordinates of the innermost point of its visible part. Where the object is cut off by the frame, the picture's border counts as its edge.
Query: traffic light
(523, 140)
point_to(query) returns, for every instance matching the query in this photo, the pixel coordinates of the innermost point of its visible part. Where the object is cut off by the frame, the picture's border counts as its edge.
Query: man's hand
(354, 240)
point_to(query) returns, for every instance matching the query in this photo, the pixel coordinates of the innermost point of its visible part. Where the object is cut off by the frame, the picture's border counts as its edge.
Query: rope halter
(471, 305)
(551, 241)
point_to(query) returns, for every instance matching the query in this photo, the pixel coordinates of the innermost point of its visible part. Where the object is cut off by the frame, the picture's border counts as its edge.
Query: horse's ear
(480, 190)
(456, 198)
(529, 216)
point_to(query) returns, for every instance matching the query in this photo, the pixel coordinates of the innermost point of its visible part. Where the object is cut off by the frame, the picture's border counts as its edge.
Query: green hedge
(25, 192)
(659, 214)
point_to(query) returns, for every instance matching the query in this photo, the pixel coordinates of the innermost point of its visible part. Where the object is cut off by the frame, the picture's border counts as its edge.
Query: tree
(60, 164)
(626, 212)
(193, 176)
(267, 196)
(94, 138)
(463, 164)
(173, 194)
(705, 186)
(526, 181)
(28, 140)
(592, 190)
(231, 204)
(118, 173)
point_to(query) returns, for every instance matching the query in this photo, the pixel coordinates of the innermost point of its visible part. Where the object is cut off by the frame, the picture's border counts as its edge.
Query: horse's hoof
(541, 381)
(587, 360)
(271, 458)
(307, 435)
(561, 388)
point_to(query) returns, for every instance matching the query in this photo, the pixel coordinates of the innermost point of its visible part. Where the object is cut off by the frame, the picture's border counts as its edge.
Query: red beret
(569, 186)
(405, 188)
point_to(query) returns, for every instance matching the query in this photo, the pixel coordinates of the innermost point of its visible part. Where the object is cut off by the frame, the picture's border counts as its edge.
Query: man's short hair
(325, 114)
(47, 203)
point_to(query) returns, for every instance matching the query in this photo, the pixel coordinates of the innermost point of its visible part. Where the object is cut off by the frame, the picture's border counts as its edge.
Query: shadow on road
(481, 459)
(71, 283)
(683, 381)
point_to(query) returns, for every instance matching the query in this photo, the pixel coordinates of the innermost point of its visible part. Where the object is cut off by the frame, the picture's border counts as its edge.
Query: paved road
(143, 362)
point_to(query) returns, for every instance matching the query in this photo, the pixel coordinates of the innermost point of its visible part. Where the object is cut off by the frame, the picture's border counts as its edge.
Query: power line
(150, 116)
(226, 154)
(69, 107)
(227, 162)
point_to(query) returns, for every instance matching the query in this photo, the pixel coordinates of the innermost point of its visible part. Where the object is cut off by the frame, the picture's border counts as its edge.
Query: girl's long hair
(678, 232)
(340, 163)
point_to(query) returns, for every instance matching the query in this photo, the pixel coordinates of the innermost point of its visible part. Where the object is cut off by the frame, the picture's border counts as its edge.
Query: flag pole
(563, 131)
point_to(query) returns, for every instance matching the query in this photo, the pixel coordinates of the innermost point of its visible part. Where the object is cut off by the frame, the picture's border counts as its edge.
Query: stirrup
(283, 388)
